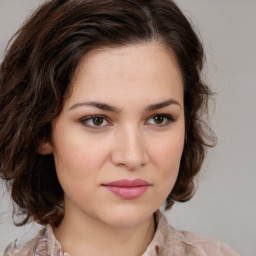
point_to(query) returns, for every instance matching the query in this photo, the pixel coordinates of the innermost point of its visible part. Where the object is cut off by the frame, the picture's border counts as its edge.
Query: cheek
(168, 153)
(79, 160)
(167, 156)
(77, 166)
(77, 152)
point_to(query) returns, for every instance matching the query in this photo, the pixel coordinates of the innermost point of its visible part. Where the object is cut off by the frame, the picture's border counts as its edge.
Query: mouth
(128, 189)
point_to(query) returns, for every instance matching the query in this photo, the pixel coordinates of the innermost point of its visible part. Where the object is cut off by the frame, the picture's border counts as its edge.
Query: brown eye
(97, 121)
(160, 120)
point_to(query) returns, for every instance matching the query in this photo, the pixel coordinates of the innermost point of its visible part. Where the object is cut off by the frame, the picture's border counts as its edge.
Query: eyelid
(91, 117)
(167, 116)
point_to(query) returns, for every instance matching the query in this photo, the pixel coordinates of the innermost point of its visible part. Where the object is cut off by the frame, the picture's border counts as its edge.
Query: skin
(131, 141)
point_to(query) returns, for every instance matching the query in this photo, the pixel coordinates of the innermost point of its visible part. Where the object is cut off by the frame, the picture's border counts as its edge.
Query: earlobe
(45, 148)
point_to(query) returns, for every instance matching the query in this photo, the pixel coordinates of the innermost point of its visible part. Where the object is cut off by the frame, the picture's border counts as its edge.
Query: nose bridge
(133, 139)
(130, 150)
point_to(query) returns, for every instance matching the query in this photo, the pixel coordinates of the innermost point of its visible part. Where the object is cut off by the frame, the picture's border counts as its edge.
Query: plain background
(225, 205)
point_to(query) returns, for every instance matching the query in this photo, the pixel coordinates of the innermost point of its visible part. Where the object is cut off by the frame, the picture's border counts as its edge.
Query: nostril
(129, 148)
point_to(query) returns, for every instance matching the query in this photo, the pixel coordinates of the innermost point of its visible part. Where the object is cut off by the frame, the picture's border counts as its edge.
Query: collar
(161, 238)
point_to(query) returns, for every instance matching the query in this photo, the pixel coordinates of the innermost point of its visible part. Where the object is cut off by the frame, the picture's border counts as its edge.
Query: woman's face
(118, 142)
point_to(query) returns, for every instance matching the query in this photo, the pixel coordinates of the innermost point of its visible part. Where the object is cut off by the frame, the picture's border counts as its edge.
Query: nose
(129, 150)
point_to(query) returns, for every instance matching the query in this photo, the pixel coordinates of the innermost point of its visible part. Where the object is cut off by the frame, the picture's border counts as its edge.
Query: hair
(36, 74)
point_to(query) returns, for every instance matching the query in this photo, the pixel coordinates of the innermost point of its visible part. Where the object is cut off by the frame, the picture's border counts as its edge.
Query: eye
(160, 120)
(94, 121)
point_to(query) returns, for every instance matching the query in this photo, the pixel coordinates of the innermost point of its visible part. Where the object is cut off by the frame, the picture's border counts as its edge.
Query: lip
(128, 189)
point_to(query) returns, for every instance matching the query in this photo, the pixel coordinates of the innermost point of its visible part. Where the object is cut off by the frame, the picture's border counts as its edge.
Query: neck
(87, 236)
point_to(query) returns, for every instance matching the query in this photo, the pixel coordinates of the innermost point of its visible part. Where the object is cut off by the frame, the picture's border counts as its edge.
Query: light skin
(123, 119)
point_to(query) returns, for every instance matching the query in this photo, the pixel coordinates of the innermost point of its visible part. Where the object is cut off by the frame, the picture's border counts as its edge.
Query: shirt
(167, 241)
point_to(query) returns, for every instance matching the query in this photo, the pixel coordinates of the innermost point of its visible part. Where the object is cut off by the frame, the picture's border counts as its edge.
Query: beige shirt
(167, 241)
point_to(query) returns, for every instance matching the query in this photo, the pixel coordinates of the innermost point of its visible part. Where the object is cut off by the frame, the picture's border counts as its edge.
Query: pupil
(97, 120)
(159, 119)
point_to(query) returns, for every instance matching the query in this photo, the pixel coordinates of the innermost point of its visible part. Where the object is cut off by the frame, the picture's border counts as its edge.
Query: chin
(128, 217)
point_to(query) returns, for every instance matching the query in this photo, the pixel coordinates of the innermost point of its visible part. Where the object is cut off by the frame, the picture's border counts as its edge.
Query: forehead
(140, 70)
(136, 58)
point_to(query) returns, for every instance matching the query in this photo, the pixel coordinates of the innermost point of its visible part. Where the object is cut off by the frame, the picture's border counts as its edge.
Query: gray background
(225, 205)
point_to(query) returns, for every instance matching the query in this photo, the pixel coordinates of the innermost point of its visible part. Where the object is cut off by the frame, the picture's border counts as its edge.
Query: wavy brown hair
(36, 73)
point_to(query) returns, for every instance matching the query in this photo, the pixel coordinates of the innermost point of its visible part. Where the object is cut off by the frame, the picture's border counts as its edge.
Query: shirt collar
(161, 237)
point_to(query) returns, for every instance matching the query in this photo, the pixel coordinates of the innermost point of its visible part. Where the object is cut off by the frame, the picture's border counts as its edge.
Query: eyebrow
(96, 104)
(162, 105)
(107, 107)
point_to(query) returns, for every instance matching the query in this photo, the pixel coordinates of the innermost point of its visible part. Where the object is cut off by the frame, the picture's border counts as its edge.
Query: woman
(100, 124)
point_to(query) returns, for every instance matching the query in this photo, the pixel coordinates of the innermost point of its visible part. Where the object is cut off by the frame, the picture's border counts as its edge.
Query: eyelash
(167, 119)
(85, 121)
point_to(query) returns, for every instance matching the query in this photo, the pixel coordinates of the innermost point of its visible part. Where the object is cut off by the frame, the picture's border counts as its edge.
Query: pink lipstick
(128, 189)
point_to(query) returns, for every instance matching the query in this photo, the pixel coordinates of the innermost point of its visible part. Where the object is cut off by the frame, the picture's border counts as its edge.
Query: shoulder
(198, 245)
(41, 245)
(170, 241)
(29, 249)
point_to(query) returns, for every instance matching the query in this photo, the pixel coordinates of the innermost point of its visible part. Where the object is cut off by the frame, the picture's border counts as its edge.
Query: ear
(45, 148)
